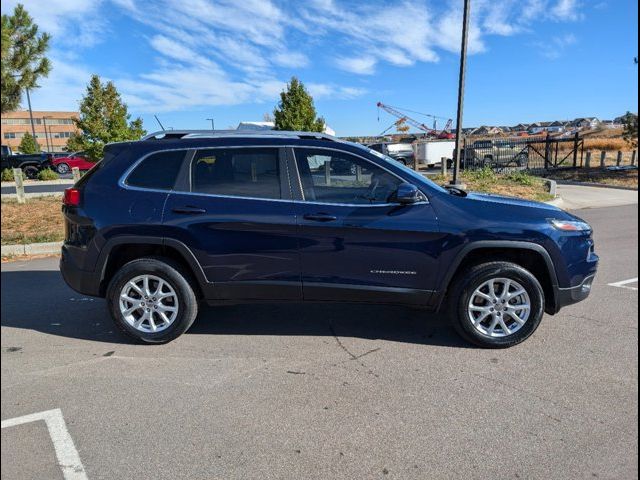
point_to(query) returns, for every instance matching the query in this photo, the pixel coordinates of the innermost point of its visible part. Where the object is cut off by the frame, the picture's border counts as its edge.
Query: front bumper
(569, 296)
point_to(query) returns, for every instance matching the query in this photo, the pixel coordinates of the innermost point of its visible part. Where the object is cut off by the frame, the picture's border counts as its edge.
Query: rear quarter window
(158, 171)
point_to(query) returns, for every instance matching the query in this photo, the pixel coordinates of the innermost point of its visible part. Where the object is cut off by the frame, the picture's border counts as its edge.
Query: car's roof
(191, 139)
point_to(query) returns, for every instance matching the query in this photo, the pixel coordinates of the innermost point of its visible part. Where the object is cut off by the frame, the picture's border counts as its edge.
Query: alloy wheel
(148, 303)
(499, 307)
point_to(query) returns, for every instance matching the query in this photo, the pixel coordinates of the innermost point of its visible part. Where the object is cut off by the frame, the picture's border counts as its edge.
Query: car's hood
(513, 201)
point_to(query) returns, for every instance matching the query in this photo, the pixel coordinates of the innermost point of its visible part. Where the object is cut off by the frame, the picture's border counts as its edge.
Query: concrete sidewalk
(575, 197)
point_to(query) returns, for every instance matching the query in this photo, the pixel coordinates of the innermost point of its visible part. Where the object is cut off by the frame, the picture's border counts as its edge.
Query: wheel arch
(530, 256)
(120, 250)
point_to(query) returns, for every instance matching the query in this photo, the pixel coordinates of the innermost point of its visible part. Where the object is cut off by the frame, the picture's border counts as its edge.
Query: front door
(356, 244)
(237, 218)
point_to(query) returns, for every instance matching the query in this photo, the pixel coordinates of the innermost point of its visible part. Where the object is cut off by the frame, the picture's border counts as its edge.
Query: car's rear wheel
(496, 305)
(62, 168)
(522, 159)
(152, 300)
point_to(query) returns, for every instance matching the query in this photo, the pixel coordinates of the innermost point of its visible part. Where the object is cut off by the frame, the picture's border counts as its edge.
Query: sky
(190, 60)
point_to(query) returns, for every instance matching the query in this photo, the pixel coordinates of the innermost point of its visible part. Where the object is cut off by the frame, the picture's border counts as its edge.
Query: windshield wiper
(455, 191)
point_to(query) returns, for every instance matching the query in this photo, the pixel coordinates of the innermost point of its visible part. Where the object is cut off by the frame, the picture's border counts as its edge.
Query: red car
(65, 164)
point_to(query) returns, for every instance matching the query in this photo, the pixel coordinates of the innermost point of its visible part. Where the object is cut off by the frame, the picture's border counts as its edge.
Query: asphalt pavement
(321, 391)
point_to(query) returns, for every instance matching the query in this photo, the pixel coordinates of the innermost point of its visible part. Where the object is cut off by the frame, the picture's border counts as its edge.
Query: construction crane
(445, 133)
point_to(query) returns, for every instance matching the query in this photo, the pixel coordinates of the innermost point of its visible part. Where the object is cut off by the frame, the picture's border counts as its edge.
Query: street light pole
(463, 67)
(213, 125)
(46, 137)
(33, 129)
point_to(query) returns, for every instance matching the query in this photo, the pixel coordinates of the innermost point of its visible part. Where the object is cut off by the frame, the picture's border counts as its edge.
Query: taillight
(71, 197)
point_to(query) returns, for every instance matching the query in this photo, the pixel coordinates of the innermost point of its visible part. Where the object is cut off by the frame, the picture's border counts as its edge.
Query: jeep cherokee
(229, 217)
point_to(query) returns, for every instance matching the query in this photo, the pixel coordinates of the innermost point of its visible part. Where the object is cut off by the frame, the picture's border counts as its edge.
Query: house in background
(586, 123)
(487, 130)
(521, 127)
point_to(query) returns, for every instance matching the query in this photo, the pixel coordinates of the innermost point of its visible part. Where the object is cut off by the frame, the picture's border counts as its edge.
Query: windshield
(405, 168)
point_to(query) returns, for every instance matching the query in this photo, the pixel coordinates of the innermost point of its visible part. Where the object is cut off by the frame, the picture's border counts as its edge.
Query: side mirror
(407, 194)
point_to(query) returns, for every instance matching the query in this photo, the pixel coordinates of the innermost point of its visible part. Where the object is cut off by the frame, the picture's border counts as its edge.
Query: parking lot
(321, 391)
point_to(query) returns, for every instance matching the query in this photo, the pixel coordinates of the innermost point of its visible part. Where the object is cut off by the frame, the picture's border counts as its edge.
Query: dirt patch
(38, 220)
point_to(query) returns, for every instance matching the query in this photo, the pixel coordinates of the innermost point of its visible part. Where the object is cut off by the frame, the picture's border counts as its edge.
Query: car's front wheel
(152, 299)
(496, 304)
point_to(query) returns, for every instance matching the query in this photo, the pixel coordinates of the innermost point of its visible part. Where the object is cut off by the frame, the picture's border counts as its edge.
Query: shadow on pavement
(41, 301)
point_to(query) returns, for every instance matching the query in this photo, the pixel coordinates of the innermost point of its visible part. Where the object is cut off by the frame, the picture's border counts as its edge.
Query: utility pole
(213, 125)
(463, 67)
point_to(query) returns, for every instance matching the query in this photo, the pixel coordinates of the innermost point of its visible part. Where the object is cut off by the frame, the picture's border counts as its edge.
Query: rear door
(233, 211)
(356, 244)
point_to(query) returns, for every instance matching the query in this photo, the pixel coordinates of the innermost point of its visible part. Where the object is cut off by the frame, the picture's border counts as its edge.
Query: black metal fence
(522, 153)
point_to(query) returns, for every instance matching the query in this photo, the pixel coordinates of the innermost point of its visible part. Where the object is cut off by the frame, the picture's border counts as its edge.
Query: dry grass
(606, 144)
(620, 178)
(38, 220)
(517, 184)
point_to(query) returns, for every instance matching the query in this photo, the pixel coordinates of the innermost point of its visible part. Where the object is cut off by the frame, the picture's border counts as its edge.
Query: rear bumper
(82, 281)
(569, 296)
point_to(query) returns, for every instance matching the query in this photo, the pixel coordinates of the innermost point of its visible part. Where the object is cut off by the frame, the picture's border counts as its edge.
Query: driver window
(336, 177)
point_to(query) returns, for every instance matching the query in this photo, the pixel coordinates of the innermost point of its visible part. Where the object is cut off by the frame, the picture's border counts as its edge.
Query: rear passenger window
(238, 172)
(158, 171)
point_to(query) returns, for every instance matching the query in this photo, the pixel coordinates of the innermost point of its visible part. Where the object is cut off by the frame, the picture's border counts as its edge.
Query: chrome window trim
(123, 184)
(426, 200)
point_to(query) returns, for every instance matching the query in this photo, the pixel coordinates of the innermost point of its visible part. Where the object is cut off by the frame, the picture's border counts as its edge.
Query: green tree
(630, 133)
(296, 111)
(28, 144)
(103, 119)
(23, 57)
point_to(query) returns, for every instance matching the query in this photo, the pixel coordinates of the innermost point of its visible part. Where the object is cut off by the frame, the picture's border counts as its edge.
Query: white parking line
(623, 284)
(68, 458)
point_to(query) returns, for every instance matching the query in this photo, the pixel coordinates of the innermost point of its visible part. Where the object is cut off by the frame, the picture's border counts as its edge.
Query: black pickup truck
(30, 164)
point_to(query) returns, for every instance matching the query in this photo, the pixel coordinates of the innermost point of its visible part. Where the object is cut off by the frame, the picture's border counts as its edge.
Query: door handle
(188, 210)
(320, 217)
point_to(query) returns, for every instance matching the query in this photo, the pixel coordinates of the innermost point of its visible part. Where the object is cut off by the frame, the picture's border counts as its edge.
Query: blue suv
(230, 217)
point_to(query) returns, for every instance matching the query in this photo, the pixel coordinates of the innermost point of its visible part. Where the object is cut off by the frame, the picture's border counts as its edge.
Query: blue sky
(189, 60)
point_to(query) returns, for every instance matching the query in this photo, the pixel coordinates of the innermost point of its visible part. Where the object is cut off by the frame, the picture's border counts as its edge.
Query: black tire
(62, 168)
(30, 171)
(467, 281)
(172, 273)
(522, 160)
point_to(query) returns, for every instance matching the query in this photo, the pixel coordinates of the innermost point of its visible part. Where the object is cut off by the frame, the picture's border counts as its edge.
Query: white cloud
(557, 46)
(228, 52)
(566, 10)
(72, 22)
(323, 91)
(361, 65)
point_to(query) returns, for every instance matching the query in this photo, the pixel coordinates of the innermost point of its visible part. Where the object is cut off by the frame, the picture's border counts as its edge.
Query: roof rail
(184, 134)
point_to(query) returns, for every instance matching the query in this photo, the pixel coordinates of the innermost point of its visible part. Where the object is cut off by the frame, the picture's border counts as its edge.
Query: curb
(32, 248)
(596, 185)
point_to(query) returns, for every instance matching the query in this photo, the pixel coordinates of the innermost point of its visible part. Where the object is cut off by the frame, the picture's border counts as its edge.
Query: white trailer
(430, 152)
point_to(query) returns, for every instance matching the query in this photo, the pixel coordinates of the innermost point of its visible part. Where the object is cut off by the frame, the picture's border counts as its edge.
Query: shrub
(522, 178)
(47, 174)
(7, 175)
(487, 174)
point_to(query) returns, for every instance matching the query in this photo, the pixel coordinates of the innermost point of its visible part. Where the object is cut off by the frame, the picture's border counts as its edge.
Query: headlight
(570, 225)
